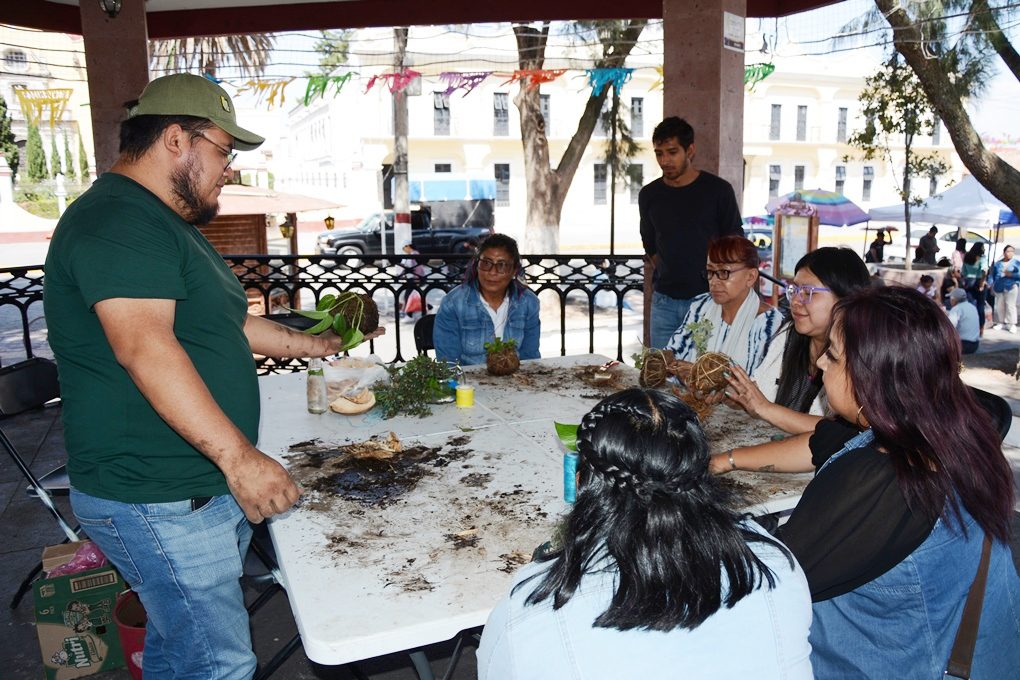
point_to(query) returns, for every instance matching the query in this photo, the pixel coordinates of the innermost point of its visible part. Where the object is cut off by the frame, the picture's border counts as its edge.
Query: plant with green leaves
(83, 160)
(497, 345)
(56, 168)
(567, 435)
(700, 332)
(37, 170)
(343, 314)
(8, 145)
(414, 386)
(69, 160)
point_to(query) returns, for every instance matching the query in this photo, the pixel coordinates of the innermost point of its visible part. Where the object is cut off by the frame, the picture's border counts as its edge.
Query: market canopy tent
(832, 208)
(966, 204)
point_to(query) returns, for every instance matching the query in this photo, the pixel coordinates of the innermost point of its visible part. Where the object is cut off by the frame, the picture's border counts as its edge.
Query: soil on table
(393, 490)
(565, 380)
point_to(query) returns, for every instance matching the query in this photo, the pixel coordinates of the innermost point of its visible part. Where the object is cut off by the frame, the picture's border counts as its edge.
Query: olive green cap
(185, 94)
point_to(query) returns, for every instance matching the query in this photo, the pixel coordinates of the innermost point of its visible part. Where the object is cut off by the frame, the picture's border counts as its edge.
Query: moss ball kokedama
(501, 357)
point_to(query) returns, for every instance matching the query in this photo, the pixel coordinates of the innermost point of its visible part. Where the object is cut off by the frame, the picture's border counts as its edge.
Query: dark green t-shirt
(118, 240)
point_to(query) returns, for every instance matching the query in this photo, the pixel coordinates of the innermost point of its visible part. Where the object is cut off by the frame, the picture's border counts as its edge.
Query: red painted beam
(51, 16)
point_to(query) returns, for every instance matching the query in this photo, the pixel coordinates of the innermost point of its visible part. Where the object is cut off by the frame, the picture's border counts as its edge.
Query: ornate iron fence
(585, 294)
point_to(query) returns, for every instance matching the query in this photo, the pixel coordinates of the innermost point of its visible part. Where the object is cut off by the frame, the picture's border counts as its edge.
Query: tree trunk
(547, 187)
(981, 16)
(1000, 178)
(908, 261)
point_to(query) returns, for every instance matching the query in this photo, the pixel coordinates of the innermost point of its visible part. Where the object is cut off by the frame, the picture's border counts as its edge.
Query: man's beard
(190, 205)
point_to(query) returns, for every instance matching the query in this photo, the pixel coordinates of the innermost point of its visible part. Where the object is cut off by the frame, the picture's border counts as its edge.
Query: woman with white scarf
(742, 325)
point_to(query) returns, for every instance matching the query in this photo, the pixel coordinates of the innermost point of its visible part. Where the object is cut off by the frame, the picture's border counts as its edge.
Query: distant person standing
(928, 248)
(680, 213)
(1006, 273)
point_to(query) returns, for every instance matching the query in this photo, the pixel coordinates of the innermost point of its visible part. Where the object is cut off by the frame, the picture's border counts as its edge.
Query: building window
(869, 176)
(545, 108)
(841, 125)
(441, 113)
(933, 185)
(637, 178)
(798, 177)
(637, 116)
(502, 172)
(500, 114)
(600, 183)
(801, 123)
(840, 178)
(936, 133)
(775, 174)
(16, 60)
(777, 112)
(443, 167)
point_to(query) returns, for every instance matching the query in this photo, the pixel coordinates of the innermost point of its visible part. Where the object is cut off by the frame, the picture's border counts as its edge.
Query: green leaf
(340, 325)
(326, 302)
(351, 339)
(321, 326)
(311, 313)
(567, 435)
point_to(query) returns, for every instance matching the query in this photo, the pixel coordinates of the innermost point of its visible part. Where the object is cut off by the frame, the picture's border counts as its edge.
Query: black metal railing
(587, 291)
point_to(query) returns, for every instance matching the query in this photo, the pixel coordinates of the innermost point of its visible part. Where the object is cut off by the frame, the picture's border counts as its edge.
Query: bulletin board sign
(795, 236)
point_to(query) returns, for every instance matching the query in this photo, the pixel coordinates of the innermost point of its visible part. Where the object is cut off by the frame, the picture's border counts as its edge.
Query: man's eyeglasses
(501, 266)
(803, 293)
(229, 154)
(721, 274)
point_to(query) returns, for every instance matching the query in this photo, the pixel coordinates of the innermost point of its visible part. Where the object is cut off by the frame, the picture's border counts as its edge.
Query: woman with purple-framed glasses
(786, 389)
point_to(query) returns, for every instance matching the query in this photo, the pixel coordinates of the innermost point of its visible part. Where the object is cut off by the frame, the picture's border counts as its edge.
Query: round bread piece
(359, 402)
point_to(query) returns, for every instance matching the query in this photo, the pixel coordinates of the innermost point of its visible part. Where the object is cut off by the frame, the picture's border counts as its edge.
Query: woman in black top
(889, 532)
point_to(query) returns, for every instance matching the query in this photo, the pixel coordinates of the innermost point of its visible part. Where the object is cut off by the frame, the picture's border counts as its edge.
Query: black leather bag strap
(962, 655)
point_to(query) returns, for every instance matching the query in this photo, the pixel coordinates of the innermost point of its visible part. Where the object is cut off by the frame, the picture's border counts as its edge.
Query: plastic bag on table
(349, 375)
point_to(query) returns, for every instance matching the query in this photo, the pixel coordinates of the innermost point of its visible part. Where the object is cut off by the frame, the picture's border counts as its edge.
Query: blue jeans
(185, 567)
(667, 315)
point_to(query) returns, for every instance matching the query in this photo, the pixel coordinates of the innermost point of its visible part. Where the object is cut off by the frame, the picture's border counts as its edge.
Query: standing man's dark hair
(680, 213)
(676, 128)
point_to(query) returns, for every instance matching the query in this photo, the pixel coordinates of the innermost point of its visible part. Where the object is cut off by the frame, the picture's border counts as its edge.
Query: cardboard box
(74, 617)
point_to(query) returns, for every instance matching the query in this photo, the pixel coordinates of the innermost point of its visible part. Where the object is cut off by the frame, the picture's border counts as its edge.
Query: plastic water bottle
(570, 476)
(318, 399)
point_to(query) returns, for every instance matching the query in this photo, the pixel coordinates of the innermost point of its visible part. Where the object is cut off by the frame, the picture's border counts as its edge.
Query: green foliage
(700, 330)
(83, 159)
(40, 200)
(56, 167)
(414, 386)
(69, 160)
(897, 109)
(496, 345)
(8, 146)
(328, 314)
(37, 170)
(333, 46)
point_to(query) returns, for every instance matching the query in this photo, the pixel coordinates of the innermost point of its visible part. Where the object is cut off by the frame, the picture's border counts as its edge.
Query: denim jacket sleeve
(524, 321)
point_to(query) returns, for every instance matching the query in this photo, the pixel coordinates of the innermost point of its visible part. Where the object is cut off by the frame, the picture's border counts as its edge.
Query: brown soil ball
(655, 368)
(708, 373)
(503, 362)
(370, 314)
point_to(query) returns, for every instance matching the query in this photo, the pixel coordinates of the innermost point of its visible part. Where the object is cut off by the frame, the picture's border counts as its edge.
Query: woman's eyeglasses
(501, 266)
(803, 293)
(721, 274)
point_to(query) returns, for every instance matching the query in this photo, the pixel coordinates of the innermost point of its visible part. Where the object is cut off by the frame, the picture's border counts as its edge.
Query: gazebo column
(703, 81)
(117, 60)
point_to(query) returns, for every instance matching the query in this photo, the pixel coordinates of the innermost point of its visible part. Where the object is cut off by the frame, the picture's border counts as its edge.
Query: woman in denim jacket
(890, 530)
(491, 303)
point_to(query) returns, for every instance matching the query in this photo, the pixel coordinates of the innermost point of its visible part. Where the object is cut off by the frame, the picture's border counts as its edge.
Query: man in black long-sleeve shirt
(680, 213)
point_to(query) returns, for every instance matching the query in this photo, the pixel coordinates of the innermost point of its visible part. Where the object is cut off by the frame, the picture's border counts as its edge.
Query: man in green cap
(154, 344)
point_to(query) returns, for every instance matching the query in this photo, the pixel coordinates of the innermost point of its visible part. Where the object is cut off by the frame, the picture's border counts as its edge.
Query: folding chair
(24, 386)
(423, 333)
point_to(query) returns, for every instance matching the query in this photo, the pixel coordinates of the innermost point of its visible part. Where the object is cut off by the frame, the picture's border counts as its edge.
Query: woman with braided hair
(658, 574)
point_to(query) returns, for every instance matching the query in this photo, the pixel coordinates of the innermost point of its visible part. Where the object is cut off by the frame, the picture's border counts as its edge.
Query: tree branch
(996, 175)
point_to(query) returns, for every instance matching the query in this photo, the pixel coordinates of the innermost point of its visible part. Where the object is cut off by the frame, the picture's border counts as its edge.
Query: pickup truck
(426, 236)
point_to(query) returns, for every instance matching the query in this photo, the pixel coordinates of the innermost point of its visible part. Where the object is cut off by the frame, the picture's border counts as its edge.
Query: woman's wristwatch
(729, 457)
